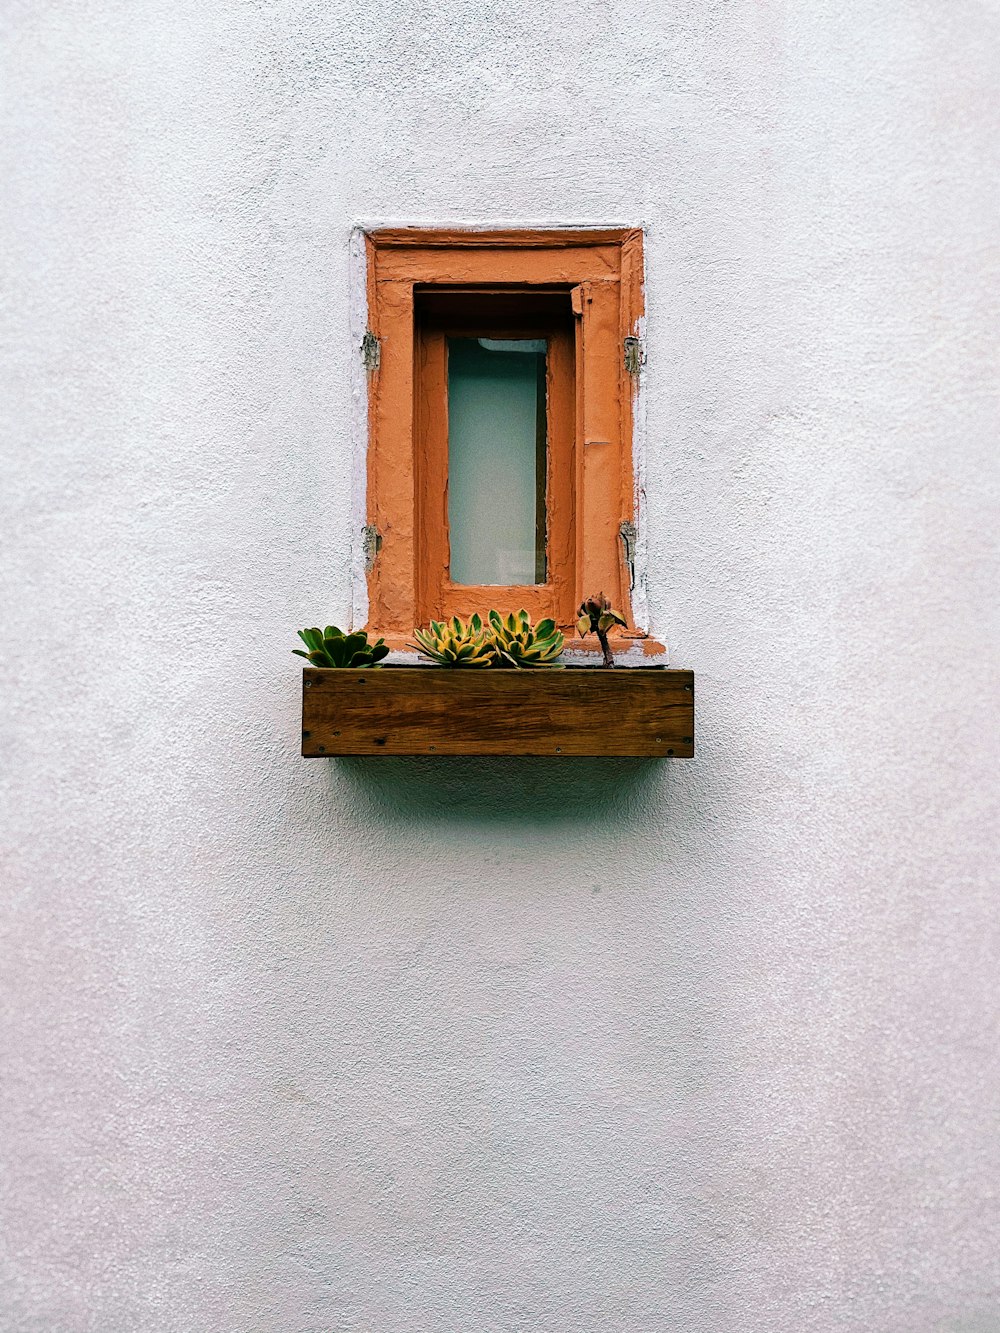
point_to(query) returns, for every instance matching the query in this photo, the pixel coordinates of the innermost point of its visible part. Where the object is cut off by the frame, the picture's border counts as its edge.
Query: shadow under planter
(641, 712)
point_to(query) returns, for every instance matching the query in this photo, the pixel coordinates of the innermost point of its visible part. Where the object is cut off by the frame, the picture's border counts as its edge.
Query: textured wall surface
(446, 1046)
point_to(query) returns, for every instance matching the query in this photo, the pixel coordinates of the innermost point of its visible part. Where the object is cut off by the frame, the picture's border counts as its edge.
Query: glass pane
(496, 460)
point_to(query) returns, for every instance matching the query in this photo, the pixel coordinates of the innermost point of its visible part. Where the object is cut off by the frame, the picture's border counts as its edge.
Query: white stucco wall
(441, 1046)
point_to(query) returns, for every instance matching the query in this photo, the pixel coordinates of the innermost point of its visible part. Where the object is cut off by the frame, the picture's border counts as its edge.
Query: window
(500, 422)
(497, 412)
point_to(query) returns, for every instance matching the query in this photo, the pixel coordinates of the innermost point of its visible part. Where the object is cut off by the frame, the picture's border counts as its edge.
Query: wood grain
(412, 710)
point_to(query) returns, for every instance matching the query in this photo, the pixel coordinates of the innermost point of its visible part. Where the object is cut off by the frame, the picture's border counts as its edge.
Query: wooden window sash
(436, 592)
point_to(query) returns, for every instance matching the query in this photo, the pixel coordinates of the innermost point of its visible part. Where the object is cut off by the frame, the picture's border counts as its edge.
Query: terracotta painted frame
(602, 272)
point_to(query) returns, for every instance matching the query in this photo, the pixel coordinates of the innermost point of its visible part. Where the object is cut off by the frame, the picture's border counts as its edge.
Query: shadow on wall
(536, 792)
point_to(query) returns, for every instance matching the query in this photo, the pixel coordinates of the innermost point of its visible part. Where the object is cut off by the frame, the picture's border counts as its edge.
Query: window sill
(631, 648)
(427, 710)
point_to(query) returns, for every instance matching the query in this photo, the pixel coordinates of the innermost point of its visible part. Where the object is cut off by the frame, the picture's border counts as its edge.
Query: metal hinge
(628, 534)
(370, 351)
(371, 544)
(635, 355)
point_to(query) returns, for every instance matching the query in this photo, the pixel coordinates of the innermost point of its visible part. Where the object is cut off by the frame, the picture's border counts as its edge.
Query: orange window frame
(590, 486)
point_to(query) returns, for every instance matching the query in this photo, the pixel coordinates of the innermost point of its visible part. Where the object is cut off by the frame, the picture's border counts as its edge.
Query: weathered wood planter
(414, 710)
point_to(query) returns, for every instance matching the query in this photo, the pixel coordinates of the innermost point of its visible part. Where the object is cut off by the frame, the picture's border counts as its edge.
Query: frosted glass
(496, 460)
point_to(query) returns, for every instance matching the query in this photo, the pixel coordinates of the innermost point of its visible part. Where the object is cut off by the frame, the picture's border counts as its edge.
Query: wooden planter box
(395, 710)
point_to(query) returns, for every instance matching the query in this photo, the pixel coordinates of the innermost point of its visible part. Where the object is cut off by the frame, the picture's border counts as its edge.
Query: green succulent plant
(454, 643)
(597, 616)
(331, 647)
(516, 642)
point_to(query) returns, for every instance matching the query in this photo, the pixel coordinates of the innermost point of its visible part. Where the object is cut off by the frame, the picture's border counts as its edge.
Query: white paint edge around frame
(358, 296)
